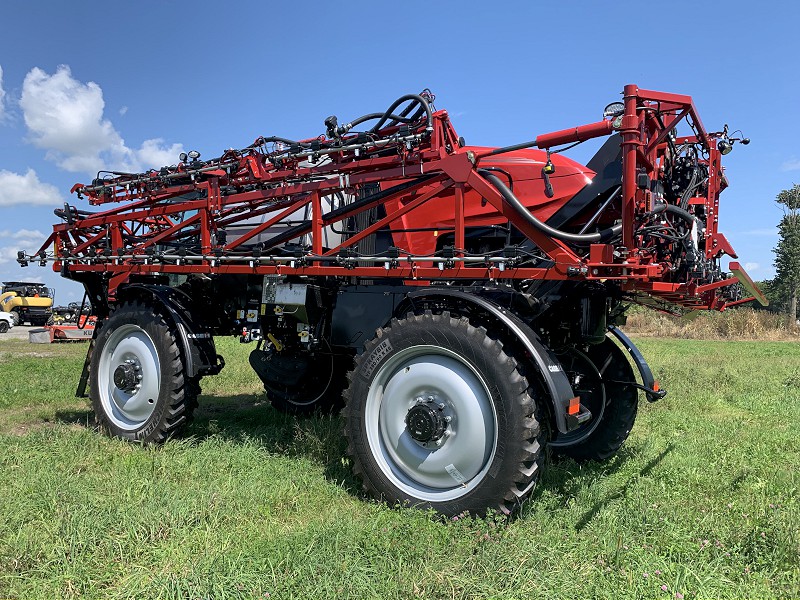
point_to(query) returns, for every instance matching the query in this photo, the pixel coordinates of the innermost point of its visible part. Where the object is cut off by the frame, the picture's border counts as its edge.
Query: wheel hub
(127, 376)
(426, 423)
(432, 427)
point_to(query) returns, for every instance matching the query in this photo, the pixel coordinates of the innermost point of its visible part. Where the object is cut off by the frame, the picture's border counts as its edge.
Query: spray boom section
(641, 216)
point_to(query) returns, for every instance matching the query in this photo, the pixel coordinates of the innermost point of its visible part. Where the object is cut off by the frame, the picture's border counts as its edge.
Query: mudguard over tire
(137, 384)
(438, 415)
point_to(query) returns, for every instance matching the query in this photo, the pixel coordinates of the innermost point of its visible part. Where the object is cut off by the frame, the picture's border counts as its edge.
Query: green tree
(767, 288)
(786, 284)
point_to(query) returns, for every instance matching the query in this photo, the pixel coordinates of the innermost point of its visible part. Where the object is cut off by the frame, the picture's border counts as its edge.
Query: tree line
(784, 289)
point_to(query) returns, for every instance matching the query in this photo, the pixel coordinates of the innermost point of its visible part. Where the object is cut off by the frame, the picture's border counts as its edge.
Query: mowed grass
(702, 502)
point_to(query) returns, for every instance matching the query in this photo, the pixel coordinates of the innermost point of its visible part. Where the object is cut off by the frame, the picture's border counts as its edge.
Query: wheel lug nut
(448, 418)
(441, 405)
(419, 400)
(430, 398)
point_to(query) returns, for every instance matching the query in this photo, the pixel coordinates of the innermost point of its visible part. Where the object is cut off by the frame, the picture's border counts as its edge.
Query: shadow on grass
(251, 418)
(595, 469)
(75, 417)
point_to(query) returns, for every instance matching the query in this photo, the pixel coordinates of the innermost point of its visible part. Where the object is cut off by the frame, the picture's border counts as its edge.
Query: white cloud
(65, 117)
(751, 266)
(28, 233)
(26, 189)
(793, 164)
(8, 254)
(2, 97)
(154, 153)
(28, 240)
(22, 234)
(122, 111)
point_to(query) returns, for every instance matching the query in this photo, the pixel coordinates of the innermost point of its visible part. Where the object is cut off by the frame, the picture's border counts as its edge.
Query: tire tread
(524, 451)
(182, 394)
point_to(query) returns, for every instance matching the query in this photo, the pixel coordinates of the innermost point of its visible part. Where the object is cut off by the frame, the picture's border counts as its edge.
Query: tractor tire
(3, 327)
(15, 318)
(439, 416)
(297, 385)
(601, 438)
(137, 384)
(192, 392)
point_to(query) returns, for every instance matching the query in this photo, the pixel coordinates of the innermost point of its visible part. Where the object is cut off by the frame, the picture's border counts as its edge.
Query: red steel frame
(152, 210)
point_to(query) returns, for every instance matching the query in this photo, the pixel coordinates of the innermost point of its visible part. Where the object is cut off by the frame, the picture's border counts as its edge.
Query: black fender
(652, 393)
(552, 373)
(199, 352)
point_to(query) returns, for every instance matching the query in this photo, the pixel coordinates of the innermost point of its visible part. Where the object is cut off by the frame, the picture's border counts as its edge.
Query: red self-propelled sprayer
(460, 301)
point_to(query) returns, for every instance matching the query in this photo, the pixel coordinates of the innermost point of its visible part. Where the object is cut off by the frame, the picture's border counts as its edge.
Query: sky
(129, 85)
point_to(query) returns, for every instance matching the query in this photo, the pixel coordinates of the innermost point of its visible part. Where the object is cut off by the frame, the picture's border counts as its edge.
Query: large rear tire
(137, 387)
(613, 404)
(15, 318)
(438, 415)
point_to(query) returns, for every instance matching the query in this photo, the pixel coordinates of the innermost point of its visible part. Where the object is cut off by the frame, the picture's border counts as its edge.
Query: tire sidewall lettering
(376, 357)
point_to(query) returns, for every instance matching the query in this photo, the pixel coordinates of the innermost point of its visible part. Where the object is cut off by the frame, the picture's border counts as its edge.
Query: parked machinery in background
(27, 301)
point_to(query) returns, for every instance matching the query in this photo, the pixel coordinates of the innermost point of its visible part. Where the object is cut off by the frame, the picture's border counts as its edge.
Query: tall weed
(735, 324)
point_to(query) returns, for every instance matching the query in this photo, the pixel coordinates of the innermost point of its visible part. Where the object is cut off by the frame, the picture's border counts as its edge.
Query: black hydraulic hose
(503, 172)
(687, 193)
(371, 116)
(413, 118)
(272, 139)
(80, 312)
(390, 111)
(673, 210)
(405, 111)
(579, 238)
(418, 114)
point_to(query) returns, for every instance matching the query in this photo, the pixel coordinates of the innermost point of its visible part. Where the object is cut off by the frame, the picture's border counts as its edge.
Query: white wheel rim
(131, 346)
(444, 469)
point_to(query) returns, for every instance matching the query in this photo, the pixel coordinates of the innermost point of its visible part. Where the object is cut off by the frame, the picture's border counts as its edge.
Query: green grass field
(702, 501)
